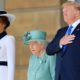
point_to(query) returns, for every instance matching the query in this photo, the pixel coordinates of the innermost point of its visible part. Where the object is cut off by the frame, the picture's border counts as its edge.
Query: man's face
(69, 14)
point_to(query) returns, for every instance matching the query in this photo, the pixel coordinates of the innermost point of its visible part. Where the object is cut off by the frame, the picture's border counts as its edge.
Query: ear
(78, 13)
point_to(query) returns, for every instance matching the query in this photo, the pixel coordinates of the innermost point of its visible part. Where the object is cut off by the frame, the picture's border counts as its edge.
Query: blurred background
(32, 14)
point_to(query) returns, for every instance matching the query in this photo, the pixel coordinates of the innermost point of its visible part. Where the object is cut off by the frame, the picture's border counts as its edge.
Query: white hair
(44, 43)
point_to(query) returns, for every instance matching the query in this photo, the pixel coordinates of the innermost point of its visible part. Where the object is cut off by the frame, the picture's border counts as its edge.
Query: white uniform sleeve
(11, 57)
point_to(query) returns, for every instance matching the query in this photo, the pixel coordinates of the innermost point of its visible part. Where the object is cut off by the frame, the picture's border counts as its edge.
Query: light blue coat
(41, 68)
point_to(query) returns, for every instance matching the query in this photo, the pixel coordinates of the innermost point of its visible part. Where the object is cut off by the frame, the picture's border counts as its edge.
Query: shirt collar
(76, 23)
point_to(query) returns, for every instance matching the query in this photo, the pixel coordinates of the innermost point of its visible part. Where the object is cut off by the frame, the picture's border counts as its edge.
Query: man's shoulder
(63, 29)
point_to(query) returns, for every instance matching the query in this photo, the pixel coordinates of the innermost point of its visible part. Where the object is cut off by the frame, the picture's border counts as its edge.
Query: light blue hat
(35, 35)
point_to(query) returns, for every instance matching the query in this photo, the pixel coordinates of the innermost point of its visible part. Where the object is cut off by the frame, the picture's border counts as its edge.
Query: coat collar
(2, 34)
(40, 60)
(77, 30)
(43, 58)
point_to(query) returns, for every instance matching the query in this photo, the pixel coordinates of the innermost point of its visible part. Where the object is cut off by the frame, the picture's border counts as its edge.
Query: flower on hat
(26, 37)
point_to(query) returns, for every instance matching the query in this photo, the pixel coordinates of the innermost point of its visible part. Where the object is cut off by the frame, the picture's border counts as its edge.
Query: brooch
(27, 36)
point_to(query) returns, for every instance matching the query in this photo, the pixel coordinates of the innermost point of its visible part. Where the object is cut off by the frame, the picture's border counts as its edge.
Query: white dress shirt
(75, 25)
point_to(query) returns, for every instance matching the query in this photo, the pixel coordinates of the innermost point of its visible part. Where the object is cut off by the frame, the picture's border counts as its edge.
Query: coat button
(40, 62)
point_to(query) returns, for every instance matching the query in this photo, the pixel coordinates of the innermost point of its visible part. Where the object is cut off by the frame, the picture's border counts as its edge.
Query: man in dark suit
(67, 46)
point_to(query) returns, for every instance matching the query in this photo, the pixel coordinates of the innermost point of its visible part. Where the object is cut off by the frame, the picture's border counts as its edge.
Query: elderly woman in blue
(41, 66)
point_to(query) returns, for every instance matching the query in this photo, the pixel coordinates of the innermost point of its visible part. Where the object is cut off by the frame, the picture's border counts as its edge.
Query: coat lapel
(77, 30)
(2, 34)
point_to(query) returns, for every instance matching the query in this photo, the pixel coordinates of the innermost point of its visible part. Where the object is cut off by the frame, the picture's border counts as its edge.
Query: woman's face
(1, 27)
(4, 23)
(36, 47)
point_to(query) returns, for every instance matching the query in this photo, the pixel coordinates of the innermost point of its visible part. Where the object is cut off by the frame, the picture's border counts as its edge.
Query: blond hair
(76, 5)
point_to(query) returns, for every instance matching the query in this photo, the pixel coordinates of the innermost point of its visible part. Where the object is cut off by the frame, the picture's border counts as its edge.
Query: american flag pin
(78, 29)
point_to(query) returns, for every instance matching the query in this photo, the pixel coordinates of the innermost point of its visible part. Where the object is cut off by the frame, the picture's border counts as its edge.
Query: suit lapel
(77, 30)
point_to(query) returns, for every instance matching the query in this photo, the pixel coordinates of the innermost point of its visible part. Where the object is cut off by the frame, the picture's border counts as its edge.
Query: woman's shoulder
(51, 58)
(32, 57)
(8, 38)
(54, 56)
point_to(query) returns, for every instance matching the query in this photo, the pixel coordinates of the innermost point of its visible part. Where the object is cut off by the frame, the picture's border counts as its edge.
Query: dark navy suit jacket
(67, 62)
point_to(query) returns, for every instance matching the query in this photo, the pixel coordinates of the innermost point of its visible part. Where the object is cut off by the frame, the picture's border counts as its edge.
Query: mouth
(33, 50)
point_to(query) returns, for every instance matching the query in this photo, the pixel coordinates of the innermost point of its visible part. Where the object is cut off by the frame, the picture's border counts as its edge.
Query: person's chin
(33, 52)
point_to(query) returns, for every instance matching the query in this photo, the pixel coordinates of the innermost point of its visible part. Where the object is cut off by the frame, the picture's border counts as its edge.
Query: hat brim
(27, 42)
(9, 16)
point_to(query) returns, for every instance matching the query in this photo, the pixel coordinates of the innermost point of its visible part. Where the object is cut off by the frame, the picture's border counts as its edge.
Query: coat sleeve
(54, 47)
(10, 44)
(52, 62)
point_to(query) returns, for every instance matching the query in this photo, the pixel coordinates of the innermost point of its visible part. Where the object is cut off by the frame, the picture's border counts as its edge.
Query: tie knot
(71, 26)
(69, 30)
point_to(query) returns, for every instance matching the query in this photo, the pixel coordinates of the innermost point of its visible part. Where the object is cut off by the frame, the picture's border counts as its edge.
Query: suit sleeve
(52, 62)
(54, 46)
(11, 57)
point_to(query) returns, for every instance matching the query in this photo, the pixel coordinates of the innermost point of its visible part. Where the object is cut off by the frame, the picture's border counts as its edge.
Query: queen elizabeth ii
(41, 66)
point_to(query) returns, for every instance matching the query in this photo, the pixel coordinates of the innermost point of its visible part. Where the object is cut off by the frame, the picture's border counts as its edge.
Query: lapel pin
(78, 29)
